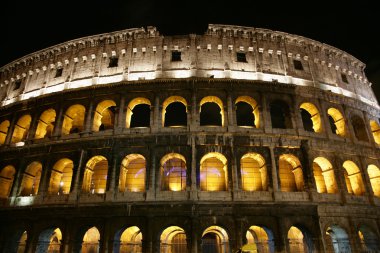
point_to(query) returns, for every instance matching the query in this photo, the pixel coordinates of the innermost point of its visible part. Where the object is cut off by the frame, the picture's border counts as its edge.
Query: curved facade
(132, 141)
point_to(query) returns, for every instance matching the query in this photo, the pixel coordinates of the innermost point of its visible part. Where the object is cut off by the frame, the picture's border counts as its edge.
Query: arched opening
(359, 128)
(374, 177)
(261, 238)
(375, 129)
(211, 111)
(311, 118)
(369, 241)
(173, 240)
(337, 124)
(173, 172)
(324, 176)
(91, 240)
(130, 241)
(95, 175)
(353, 178)
(138, 113)
(339, 241)
(73, 121)
(247, 112)
(61, 176)
(45, 124)
(31, 179)
(132, 173)
(215, 240)
(297, 241)
(49, 241)
(7, 175)
(291, 175)
(253, 171)
(213, 172)
(4, 126)
(21, 129)
(174, 112)
(104, 116)
(22, 243)
(280, 115)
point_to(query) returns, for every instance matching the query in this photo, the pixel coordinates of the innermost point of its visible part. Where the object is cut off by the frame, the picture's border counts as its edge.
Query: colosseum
(238, 140)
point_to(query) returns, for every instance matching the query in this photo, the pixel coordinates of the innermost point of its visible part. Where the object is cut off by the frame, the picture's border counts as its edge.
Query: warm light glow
(21, 129)
(31, 179)
(132, 173)
(22, 242)
(55, 241)
(213, 172)
(45, 124)
(103, 115)
(254, 106)
(338, 121)
(353, 178)
(374, 177)
(4, 126)
(295, 238)
(173, 172)
(95, 175)
(315, 116)
(61, 176)
(258, 238)
(73, 121)
(253, 172)
(213, 99)
(91, 241)
(132, 105)
(324, 176)
(131, 240)
(173, 239)
(375, 129)
(291, 175)
(6, 180)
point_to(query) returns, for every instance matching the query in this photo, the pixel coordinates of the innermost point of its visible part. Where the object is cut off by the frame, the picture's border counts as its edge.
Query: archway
(49, 241)
(73, 121)
(45, 125)
(370, 242)
(173, 172)
(174, 112)
(311, 118)
(337, 122)
(359, 128)
(290, 173)
(339, 240)
(173, 240)
(22, 242)
(6, 180)
(253, 170)
(211, 111)
(4, 127)
(21, 129)
(374, 177)
(138, 113)
(104, 116)
(280, 115)
(132, 173)
(247, 112)
(297, 241)
(61, 176)
(375, 129)
(353, 178)
(324, 176)
(130, 241)
(215, 240)
(95, 175)
(213, 172)
(262, 238)
(31, 179)
(91, 240)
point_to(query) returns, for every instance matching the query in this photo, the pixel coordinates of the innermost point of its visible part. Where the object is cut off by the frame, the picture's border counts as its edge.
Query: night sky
(352, 26)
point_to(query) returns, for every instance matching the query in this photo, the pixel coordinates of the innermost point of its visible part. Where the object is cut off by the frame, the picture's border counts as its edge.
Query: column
(58, 123)
(231, 122)
(113, 176)
(89, 118)
(275, 182)
(32, 129)
(11, 128)
(75, 188)
(120, 123)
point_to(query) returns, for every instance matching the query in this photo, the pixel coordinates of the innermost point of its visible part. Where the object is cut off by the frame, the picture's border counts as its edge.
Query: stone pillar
(231, 120)
(33, 127)
(275, 182)
(151, 177)
(11, 128)
(193, 175)
(113, 177)
(45, 180)
(121, 124)
(194, 122)
(366, 181)
(89, 118)
(155, 116)
(239, 233)
(195, 237)
(76, 186)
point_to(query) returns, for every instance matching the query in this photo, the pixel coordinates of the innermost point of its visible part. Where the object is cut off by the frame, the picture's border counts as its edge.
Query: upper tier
(224, 51)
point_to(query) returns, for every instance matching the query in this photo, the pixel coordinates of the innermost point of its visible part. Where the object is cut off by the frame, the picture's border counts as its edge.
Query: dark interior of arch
(211, 243)
(140, 116)
(280, 115)
(244, 114)
(359, 128)
(175, 115)
(112, 110)
(332, 125)
(210, 115)
(306, 120)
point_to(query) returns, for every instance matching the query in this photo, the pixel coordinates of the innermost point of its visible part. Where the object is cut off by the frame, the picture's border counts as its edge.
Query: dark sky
(27, 26)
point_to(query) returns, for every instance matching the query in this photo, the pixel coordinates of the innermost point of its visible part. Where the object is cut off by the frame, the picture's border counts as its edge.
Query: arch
(370, 242)
(4, 127)
(174, 112)
(130, 240)
(95, 175)
(313, 115)
(261, 238)
(49, 241)
(296, 240)
(104, 116)
(208, 113)
(21, 129)
(45, 124)
(215, 240)
(247, 108)
(213, 172)
(337, 122)
(374, 178)
(339, 241)
(132, 173)
(291, 174)
(359, 128)
(91, 240)
(324, 176)
(7, 175)
(73, 121)
(173, 172)
(21, 245)
(31, 179)
(375, 129)
(173, 240)
(61, 176)
(353, 178)
(280, 115)
(253, 171)
(132, 116)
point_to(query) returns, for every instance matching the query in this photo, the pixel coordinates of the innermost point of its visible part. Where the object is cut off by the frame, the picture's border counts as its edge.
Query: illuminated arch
(173, 240)
(337, 122)
(375, 129)
(374, 177)
(291, 174)
(95, 175)
(104, 116)
(173, 172)
(353, 178)
(254, 175)
(370, 242)
(22, 243)
(49, 241)
(260, 238)
(61, 176)
(4, 126)
(339, 241)
(324, 176)
(131, 106)
(296, 240)
(216, 100)
(21, 129)
(255, 109)
(73, 121)
(31, 179)
(215, 239)
(359, 128)
(45, 124)
(131, 240)
(7, 175)
(91, 240)
(132, 173)
(213, 172)
(314, 116)
(169, 101)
